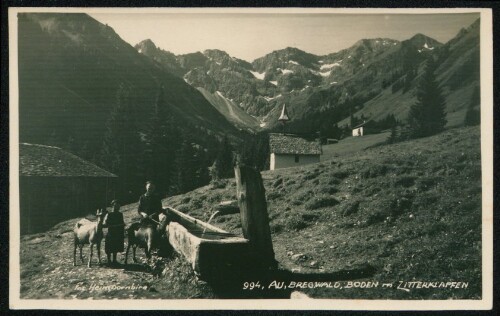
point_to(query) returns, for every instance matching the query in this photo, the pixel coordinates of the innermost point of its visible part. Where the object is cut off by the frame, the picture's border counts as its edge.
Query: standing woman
(116, 232)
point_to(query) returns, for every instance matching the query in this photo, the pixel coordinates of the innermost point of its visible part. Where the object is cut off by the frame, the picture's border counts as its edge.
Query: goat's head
(164, 220)
(100, 213)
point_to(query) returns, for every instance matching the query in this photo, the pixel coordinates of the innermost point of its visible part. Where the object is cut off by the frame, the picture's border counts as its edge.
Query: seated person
(150, 205)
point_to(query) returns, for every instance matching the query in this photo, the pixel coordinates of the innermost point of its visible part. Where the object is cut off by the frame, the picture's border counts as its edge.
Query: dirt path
(47, 272)
(53, 275)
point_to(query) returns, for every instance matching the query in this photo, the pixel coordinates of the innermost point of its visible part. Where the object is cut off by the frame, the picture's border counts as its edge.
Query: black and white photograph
(196, 158)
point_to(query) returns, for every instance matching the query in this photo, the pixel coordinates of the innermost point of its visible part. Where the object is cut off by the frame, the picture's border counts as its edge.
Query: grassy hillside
(411, 210)
(352, 145)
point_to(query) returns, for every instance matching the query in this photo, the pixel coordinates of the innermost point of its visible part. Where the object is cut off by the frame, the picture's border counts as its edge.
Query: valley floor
(412, 211)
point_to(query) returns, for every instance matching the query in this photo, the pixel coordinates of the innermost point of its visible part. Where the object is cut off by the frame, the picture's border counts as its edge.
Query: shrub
(349, 208)
(310, 217)
(295, 222)
(425, 183)
(218, 184)
(371, 190)
(405, 181)
(278, 182)
(299, 221)
(273, 195)
(340, 174)
(196, 203)
(214, 198)
(321, 202)
(328, 190)
(303, 196)
(310, 175)
(375, 217)
(434, 228)
(183, 208)
(333, 181)
(357, 189)
(276, 228)
(374, 171)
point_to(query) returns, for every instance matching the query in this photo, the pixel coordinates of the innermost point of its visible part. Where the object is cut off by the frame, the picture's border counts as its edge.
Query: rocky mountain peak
(421, 40)
(215, 53)
(146, 46)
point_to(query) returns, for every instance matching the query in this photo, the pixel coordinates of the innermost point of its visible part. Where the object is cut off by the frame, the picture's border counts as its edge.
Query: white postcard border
(486, 51)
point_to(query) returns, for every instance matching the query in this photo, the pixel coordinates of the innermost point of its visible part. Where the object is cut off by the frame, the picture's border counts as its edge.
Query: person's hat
(115, 202)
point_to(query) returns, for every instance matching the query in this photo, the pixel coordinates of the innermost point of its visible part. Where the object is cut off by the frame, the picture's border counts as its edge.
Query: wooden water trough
(212, 251)
(209, 249)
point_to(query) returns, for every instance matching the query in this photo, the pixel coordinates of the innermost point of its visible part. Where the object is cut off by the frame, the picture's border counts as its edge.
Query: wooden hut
(289, 150)
(56, 185)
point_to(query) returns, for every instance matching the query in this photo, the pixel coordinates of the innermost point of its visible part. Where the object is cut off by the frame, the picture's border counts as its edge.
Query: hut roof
(365, 123)
(49, 161)
(293, 144)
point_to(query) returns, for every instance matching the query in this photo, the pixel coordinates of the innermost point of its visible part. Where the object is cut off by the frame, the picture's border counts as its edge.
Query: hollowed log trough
(210, 250)
(213, 252)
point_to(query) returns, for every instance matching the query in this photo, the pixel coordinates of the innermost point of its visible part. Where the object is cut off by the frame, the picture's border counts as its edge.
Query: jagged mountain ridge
(258, 87)
(215, 70)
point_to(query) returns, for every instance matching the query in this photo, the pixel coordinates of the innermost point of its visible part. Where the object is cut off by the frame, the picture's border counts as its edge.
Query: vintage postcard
(303, 159)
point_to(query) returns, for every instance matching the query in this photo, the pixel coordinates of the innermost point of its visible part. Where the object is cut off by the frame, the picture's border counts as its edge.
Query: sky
(252, 35)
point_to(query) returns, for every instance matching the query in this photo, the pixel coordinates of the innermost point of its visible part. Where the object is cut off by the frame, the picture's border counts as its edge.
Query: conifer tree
(427, 116)
(161, 143)
(223, 165)
(186, 167)
(393, 137)
(202, 176)
(473, 116)
(122, 145)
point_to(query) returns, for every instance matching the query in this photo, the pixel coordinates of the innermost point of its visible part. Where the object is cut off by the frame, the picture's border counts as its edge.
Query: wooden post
(254, 218)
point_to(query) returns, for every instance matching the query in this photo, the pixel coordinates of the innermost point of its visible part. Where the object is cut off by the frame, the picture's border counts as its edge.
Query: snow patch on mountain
(274, 83)
(328, 66)
(293, 62)
(270, 99)
(285, 71)
(325, 74)
(425, 47)
(222, 96)
(258, 75)
(317, 73)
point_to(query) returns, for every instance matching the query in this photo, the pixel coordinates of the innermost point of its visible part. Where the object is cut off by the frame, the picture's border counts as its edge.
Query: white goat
(88, 232)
